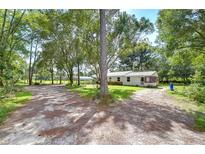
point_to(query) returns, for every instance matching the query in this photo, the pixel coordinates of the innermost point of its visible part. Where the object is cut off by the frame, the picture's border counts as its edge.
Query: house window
(118, 78)
(128, 79)
(110, 78)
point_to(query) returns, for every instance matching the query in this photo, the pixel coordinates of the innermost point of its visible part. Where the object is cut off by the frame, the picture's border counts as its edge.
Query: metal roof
(123, 73)
(149, 73)
(130, 73)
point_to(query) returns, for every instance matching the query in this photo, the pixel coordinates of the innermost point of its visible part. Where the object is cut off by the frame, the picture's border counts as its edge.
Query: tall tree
(126, 34)
(33, 29)
(140, 59)
(185, 25)
(12, 46)
(182, 32)
(103, 54)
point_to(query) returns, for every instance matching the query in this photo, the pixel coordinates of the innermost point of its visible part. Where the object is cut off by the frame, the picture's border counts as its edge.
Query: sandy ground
(57, 116)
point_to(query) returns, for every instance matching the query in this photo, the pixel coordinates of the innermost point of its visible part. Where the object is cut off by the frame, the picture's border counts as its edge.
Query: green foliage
(141, 58)
(182, 29)
(181, 65)
(200, 121)
(163, 67)
(12, 48)
(182, 36)
(130, 42)
(8, 105)
(196, 92)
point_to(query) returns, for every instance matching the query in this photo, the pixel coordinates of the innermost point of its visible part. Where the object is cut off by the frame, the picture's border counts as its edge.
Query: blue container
(171, 86)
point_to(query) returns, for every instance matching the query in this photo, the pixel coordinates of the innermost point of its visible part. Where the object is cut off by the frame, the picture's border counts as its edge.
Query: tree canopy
(57, 44)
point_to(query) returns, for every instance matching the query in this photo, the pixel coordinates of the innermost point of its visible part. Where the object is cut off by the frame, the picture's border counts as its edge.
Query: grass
(196, 109)
(8, 105)
(178, 92)
(200, 121)
(118, 93)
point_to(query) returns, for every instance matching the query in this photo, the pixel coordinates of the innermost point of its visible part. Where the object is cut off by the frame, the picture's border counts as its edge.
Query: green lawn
(8, 105)
(178, 92)
(118, 92)
(197, 109)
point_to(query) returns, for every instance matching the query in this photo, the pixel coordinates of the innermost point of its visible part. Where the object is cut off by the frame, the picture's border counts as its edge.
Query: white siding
(114, 78)
(134, 81)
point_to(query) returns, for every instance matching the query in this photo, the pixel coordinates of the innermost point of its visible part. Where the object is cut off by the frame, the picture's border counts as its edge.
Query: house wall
(114, 78)
(150, 84)
(133, 80)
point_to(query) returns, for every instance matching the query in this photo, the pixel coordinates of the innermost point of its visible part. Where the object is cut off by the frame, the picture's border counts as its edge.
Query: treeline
(181, 41)
(59, 41)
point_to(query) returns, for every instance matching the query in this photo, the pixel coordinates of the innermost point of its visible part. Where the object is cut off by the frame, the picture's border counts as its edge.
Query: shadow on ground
(57, 116)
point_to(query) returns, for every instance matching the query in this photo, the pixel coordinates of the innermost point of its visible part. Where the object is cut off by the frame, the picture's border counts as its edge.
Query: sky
(151, 14)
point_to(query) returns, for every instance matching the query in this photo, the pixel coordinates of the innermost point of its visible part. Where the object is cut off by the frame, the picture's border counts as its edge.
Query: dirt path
(55, 116)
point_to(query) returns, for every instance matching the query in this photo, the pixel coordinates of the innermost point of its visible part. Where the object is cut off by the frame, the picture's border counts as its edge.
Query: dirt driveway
(57, 116)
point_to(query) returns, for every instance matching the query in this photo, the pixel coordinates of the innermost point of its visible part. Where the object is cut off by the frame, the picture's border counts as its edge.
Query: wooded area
(59, 44)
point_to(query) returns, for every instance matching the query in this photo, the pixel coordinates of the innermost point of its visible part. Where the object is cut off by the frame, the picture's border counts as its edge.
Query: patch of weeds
(199, 121)
(10, 104)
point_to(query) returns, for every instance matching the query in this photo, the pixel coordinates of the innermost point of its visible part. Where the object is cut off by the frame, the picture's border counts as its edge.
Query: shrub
(115, 83)
(200, 121)
(196, 92)
(36, 83)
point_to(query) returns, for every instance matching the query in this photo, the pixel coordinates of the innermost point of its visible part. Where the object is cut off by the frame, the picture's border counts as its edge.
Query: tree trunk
(3, 25)
(30, 68)
(52, 76)
(78, 74)
(34, 62)
(1, 82)
(71, 76)
(60, 79)
(103, 55)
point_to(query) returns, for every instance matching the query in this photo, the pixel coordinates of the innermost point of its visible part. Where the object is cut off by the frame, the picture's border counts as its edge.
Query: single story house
(149, 78)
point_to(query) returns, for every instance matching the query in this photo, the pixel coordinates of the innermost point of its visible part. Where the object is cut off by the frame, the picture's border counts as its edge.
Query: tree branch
(3, 25)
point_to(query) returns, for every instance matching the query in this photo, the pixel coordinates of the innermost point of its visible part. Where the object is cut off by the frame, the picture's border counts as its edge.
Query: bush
(36, 83)
(196, 92)
(115, 83)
